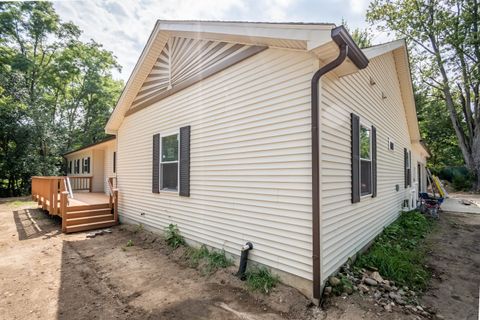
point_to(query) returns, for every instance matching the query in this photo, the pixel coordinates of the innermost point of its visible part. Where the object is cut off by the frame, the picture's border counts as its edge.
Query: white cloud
(123, 26)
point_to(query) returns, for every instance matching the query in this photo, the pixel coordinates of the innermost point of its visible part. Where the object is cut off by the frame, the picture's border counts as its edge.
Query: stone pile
(385, 293)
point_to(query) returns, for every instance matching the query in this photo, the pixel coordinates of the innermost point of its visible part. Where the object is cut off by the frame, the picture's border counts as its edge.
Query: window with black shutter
(169, 163)
(364, 160)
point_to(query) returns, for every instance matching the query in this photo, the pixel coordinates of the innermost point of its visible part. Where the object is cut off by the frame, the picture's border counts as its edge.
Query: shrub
(399, 251)
(209, 261)
(173, 237)
(129, 243)
(460, 177)
(261, 279)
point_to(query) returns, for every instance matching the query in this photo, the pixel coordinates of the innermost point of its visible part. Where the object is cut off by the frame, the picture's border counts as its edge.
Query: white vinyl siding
(250, 161)
(347, 227)
(108, 163)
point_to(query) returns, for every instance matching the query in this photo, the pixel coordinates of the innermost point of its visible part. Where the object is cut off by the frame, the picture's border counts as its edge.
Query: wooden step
(88, 213)
(91, 226)
(88, 207)
(85, 220)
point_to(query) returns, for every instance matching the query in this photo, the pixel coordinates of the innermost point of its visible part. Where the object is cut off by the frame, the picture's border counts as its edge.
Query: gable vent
(185, 61)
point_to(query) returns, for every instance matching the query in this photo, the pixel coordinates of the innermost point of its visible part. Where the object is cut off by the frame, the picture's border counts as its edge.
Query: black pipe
(243, 260)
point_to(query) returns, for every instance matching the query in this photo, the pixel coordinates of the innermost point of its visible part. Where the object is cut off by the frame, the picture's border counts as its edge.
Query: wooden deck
(80, 212)
(87, 198)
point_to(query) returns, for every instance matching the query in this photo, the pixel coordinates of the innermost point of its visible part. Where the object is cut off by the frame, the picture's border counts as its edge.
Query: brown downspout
(349, 49)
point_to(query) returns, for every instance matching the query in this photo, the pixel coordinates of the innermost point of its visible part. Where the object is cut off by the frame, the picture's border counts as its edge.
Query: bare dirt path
(455, 264)
(45, 274)
(48, 275)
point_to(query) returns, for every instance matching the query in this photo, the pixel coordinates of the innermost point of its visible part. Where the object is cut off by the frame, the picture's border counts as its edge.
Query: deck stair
(83, 218)
(81, 211)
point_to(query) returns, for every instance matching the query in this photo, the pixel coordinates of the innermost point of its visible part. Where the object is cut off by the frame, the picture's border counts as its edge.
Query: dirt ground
(455, 264)
(48, 275)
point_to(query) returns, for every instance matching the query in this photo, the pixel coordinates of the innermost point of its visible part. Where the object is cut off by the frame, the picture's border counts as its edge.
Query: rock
(401, 292)
(370, 282)
(394, 288)
(397, 298)
(376, 276)
(348, 290)
(334, 281)
(91, 235)
(377, 295)
(327, 291)
(387, 288)
(388, 308)
(420, 308)
(363, 288)
(439, 317)
(386, 282)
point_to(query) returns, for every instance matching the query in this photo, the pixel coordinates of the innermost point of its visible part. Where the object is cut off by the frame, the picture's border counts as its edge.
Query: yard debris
(91, 235)
(107, 231)
(383, 291)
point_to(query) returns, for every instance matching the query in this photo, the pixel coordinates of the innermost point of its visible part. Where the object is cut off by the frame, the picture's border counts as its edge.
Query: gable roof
(95, 144)
(314, 37)
(400, 54)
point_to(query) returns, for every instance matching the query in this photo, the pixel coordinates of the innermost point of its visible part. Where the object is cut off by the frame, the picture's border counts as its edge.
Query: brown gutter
(349, 49)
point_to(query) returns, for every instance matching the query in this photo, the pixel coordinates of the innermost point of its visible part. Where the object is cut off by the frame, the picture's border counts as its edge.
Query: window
(365, 160)
(391, 144)
(169, 163)
(86, 165)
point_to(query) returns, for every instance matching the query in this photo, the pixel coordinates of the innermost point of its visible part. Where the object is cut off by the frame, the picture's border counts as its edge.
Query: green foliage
(444, 45)
(461, 178)
(399, 251)
(56, 92)
(345, 286)
(130, 243)
(362, 37)
(138, 228)
(173, 237)
(209, 261)
(261, 279)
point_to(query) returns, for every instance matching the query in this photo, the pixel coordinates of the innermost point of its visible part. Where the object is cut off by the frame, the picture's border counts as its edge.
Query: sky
(123, 26)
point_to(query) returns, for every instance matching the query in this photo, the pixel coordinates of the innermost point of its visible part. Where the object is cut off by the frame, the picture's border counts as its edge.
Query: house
(89, 168)
(286, 135)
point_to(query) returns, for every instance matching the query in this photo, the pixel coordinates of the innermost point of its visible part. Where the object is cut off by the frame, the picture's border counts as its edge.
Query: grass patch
(261, 279)
(130, 243)
(399, 251)
(20, 203)
(138, 228)
(207, 261)
(173, 237)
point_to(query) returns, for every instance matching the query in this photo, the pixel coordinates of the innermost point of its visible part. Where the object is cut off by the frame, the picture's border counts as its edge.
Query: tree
(362, 37)
(444, 39)
(56, 92)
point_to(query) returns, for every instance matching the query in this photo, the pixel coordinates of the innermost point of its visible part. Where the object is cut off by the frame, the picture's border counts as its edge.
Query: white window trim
(369, 127)
(390, 141)
(164, 135)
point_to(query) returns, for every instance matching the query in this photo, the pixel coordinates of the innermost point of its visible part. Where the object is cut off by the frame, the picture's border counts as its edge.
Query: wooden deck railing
(53, 195)
(46, 190)
(81, 183)
(113, 193)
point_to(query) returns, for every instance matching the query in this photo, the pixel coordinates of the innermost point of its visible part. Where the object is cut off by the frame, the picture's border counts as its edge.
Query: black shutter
(185, 161)
(405, 171)
(374, 162)
(156, 164)
(88, 164)
(114, 162)
(410, 170)
(355, 158)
